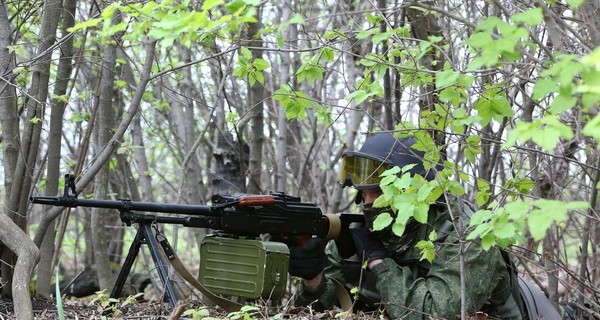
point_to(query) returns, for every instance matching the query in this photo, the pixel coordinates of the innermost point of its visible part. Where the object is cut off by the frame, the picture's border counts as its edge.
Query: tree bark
(27, 254)
(255, 109)
(423, 26)
(104, 126)
(65, 66)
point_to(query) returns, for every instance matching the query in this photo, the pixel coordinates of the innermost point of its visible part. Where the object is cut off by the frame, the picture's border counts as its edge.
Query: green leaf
(383, 201)
(504, 230)
(479, 217)
(539, 223)
(489, 23)
(381, 36)
(524, 185)
(59, 306)
(235, 6)
(427, 250)
(120, 83)
(592, 128)
(403, 182)
(391, 171)
(517, 210)
(562, 103)
(531, 17)
(408, 167)
(451, 95)
(383, 220)
(327, 54)
(245, 53)
(424, 192)
(359, 96)
(297, 19)
(554, 130)
(421, 212)
(543, 87)
(548, 212)
(432, 235)
(85, 24)
(446, 78)
(575, 3)
(480, 40)
(398, 228)
(479, 231)
(209, 4)
(261, 64)
(488, 241)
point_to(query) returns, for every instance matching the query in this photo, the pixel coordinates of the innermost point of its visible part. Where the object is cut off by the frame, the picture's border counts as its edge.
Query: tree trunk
(63, 76)
(104, 125)
(10, 124)
(255, 109)
(423, 26)
(27, 254)
(106, 122)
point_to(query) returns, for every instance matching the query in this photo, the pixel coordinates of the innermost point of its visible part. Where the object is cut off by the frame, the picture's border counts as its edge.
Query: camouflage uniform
(411, 289)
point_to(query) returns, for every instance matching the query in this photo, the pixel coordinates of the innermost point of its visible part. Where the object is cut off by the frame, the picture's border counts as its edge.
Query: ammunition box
(244, 267)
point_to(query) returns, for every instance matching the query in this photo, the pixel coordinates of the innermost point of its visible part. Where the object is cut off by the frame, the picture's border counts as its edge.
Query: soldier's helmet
(382, 151)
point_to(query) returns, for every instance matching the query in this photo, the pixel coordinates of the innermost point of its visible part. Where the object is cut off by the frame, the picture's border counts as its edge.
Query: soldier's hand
(308, 260)
(366, 246)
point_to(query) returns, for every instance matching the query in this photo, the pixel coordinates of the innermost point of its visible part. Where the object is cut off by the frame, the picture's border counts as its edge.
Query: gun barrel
(126, 205)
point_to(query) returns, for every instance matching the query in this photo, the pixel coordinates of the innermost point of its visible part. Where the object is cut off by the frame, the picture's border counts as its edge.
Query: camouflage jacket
(411, 289)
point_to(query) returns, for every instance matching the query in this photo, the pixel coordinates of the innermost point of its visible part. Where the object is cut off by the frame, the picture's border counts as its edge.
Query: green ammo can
(244, 267)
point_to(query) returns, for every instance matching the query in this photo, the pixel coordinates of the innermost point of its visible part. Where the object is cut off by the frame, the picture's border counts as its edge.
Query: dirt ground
(89, 309)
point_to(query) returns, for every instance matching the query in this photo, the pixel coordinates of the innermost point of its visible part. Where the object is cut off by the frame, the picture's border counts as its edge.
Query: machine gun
(233, 258)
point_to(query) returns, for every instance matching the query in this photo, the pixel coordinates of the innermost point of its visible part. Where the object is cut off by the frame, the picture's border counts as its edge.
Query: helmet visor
(361, 172)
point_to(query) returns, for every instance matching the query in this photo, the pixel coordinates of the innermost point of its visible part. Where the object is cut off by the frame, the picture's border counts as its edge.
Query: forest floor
(90, 309)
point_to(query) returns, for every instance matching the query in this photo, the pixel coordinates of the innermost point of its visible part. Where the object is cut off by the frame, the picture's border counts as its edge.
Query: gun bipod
(145, 235)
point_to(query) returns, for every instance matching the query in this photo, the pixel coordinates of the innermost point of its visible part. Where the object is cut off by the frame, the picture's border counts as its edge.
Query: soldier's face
(369, 196)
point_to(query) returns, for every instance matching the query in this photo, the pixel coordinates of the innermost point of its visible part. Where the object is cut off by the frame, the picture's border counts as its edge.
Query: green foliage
(482, 196)
(409, 197)
(246, 313)
(493, 105)
(311, 70)
(506, 225)
(294, 102)
(531, 17)
(105, 301)
(59, 305)
(355, 291)
(498, 41)
(249, 67)
(427, 247)
(568, 82)
(323, 115)
(296, 19)
(112, 304)
(197, 313)
(472, 148)
(553, 129)
(171, 21)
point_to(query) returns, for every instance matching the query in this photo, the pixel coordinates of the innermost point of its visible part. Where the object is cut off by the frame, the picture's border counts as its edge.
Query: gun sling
(226, 304)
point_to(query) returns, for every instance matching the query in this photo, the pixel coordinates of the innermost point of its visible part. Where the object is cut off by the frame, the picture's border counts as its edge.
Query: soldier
(395, 279)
